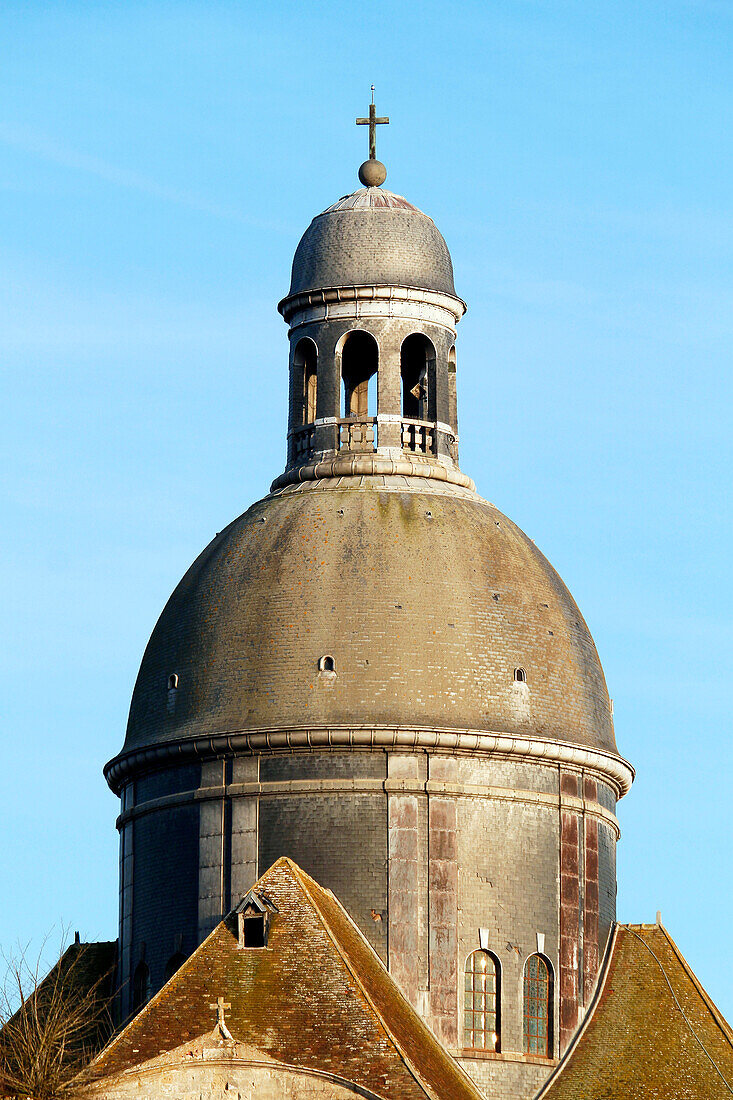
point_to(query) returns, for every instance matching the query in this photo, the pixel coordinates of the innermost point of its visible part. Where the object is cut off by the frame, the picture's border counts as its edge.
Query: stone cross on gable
(372, 122)
(219, 1008)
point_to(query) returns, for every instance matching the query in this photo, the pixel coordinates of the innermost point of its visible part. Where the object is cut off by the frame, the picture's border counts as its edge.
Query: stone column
(212, 902)
(124, 964)
(590, 896)
(245, 815)
(402, 878)
(443, 904)
(328, 396)
(389, 392)
(570, 912)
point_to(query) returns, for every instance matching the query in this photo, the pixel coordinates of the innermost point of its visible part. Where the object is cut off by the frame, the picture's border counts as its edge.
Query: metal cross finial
(372, 122)
(219, 1007)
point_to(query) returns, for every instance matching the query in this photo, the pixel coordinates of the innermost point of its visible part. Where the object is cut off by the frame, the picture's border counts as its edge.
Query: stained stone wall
(217, 1081)
(434, 855)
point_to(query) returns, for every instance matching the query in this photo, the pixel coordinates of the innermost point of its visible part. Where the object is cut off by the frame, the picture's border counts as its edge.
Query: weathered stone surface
(392, 243)
(313, 1012)
(375, 672)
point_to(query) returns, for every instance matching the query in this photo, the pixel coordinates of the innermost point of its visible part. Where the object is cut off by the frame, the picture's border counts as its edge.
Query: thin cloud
(53, 152)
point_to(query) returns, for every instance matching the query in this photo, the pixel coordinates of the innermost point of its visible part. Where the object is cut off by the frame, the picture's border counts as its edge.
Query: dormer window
(253, 921)
(253, 930)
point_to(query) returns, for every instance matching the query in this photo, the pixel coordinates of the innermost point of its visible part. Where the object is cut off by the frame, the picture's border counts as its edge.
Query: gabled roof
(653, 1032)
(317, 997)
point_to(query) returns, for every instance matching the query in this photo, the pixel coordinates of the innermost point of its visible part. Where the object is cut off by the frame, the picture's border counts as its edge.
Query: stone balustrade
(360, 435)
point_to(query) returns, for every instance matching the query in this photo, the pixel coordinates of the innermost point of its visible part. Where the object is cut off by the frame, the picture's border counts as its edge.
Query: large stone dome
(372, 237)
(426, 597)
(375, 672)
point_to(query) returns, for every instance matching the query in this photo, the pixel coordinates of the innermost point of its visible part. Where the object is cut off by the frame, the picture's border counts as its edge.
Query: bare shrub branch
(51, 1023)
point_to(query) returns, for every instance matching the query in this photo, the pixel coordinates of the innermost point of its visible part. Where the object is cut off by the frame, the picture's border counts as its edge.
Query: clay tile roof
(653, 1033)
(317, 997)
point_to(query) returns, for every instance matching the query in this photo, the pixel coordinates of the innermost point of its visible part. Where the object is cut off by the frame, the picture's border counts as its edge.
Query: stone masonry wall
(434, 856)
(236, 1081)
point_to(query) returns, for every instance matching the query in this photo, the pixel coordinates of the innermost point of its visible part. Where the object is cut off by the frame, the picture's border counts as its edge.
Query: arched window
(173, 681)
(359, 361)
(305, 362)
(140, 986)
(520, 676)
(537, 1012)
(175, 962)
(481, 1002)
(417, 370)
(326, 663)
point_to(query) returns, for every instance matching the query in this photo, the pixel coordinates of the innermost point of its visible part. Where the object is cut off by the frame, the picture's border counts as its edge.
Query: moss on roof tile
(317, 997)
(653, 1034)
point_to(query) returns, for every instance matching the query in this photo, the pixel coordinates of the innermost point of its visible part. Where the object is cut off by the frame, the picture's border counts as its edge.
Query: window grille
(480, 1018)
(537, 1007)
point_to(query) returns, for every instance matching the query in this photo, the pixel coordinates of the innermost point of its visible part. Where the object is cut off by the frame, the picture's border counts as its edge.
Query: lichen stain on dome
(405, 603)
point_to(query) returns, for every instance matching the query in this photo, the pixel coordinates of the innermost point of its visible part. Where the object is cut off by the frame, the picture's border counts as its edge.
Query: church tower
(375, 672)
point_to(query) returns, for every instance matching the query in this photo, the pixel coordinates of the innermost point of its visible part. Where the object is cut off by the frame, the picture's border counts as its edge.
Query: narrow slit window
(175, 962)
(140, 986)
(172, 681)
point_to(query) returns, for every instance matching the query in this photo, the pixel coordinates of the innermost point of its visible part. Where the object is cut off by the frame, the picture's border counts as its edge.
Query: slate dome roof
(372, 237)
(426, 597)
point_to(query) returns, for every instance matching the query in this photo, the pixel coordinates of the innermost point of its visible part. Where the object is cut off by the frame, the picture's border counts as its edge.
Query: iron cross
(372, 122)
(219, 1007)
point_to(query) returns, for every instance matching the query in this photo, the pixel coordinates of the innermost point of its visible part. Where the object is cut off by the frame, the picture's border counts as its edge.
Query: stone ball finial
(372, 173)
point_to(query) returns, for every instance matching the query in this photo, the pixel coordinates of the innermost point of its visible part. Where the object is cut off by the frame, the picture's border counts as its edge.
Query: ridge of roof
(173, 981)
(633, 1037)
(311, 887)
(603, 972)
(122, 1032)
(355, 1020)
(713, 1008)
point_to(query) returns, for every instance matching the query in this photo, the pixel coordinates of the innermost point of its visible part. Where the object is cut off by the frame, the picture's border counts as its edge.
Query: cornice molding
(611, 768)
(372, 300)
(367, 465)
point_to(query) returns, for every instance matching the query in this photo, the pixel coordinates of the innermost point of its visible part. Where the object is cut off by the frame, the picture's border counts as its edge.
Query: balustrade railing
(361, 435)
(357, 435)
(301, 441)
(419, 436)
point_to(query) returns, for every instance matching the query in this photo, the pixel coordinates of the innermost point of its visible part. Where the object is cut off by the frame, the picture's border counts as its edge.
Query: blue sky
(158, 163)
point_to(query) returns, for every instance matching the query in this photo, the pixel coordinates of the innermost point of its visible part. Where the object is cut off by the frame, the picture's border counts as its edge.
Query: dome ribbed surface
(427, 599)
(372, 237)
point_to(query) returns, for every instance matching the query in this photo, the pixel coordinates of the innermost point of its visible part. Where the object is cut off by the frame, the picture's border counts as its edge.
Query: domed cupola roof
(373, 600)
(372, 238)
